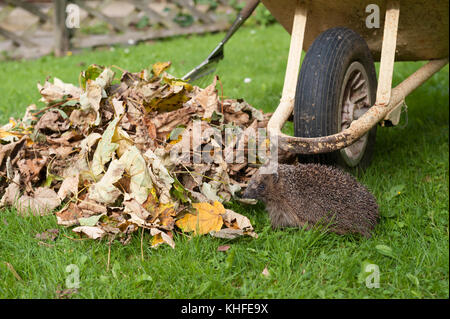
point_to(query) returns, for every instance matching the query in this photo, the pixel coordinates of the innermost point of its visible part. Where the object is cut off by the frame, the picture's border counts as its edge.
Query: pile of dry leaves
(103, 154)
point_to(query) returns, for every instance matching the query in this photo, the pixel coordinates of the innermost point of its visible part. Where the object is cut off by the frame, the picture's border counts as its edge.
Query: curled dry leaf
(12, 192)
(160, 67)
(90, 231)
(68, 187)
(56, 91)
(53, 121)
(69, 215)
(208, 99)
(104, 190)
(235, 220)
(105, 149)
(160, 237)
(136, 167)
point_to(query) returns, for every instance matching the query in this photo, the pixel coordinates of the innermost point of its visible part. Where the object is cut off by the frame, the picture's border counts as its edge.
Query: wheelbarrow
(334, 95)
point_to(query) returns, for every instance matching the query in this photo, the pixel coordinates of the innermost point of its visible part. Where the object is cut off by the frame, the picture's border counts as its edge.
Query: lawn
(409, 177)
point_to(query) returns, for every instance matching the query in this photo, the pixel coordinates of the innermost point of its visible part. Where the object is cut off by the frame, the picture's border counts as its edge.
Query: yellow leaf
(208, 218)
(157, 240)
(178, 82)
(159, 67)
(160, 237)
(165, 213)
(167, 104)
(4, 134)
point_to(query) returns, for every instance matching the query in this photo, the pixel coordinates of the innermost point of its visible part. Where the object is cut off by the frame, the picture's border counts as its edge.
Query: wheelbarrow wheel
(336, 85)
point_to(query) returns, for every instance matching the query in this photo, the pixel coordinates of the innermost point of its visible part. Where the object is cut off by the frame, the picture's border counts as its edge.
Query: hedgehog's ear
(270, 168)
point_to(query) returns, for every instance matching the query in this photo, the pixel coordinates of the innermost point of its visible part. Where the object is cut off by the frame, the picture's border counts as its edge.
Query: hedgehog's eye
(261, 187)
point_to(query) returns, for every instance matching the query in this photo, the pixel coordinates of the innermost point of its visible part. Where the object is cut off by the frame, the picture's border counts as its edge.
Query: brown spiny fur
(307, 194)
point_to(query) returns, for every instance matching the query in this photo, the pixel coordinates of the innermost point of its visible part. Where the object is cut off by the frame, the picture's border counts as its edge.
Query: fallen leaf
(56, 91)
(43, 201)
(49, 234)
(53, 121)
(160, 176)
(12, 192)
(69, 215)
(89, 221)
(237, 220)
(90, 231)
(104, 190)
(227, 233)
(105, 149)
(69, 186)
(160, 67)
(118, 107)
(66, 293)
(136, 167)
(207, 219)
(223, 248)
(208, 99)
(160, 237)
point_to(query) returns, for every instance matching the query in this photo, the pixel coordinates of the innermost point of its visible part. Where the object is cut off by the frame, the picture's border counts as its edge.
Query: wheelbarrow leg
(388, 52)
(286, 106)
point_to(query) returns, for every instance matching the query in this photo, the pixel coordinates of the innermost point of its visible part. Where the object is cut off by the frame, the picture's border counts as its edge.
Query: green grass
(302, 264)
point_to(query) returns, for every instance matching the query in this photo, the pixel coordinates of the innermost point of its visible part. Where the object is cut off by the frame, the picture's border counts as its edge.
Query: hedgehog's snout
(256, 189)
(253, 189)
(250, 192)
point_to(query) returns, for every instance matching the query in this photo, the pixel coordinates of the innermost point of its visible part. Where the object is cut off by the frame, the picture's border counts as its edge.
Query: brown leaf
(227, 233)
(104, 190)
(49, 234)
(30, 168)
(236, 220)
(92, 206)
(11, 150)
(42, 202)
(208, 99)
(52, 120)
(133, 207)
(82, 118)
(90, 231)
(56, 91)
(69, 215)
(223, 248)
(66, 293)
(68, 187)
(12, 192)
(164, 123)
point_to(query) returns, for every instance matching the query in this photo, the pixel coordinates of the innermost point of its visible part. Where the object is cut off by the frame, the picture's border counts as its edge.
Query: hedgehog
(305, 195)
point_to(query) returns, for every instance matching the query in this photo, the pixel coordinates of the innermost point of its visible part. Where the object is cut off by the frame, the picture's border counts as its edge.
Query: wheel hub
(354, 102)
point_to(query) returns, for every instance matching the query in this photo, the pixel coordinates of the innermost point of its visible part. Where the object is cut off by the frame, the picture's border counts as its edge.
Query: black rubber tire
(316, 110)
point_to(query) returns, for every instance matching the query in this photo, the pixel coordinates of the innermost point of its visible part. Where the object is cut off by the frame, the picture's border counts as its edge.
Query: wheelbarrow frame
(388, 100)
